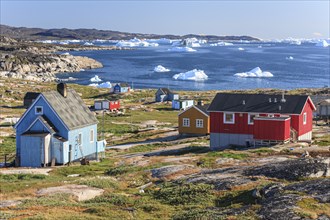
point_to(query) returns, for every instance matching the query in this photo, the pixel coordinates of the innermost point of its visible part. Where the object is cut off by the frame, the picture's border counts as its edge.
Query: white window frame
(187, 124)
(80, 138)
(199, 123)
(91, 135)
(38, 113)
(305, 118)
(228, 122)
(249, 118)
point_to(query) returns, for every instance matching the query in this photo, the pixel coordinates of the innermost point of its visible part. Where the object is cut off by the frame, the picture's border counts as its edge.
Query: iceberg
(161, 69)
(135, 42)
(88, 44)
(160, 41)
(66, 54)
(195, 75)
(241, 49)
(289, 58)
(221, 43)
(182, 49)
(256, 72)
(95, 79)
(323, 43)
(102, 85)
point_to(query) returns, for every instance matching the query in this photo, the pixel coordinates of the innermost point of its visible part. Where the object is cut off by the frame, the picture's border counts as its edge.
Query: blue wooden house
(164, 94)
(57, 127)
(120, 88)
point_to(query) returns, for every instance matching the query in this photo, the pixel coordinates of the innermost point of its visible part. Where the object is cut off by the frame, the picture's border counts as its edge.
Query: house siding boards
(273, 128)
(59, 133)
(164, 94)
(193, 114)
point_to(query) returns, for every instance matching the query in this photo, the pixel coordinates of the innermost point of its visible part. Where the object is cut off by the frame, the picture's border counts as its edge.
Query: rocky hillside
(91, 34)
(36, 61)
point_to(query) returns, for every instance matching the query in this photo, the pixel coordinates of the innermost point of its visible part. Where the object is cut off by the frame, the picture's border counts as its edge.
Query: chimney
(243, 102)
(283, 99)
(275, 99)
(270, 100)
(61, 88)
(200, 102)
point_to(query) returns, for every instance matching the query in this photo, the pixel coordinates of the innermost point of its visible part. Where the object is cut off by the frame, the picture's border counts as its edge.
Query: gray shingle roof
(203, 108)
(72, 109)
(230, 102)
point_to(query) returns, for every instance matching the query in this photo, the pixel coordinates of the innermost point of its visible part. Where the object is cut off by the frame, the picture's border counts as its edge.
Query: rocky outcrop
(42, 67)
(293, 169)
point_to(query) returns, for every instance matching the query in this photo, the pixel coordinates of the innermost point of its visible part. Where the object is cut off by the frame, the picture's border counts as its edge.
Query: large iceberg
(102, 85)
(182, 49)
(160, 41)
(95, 79)
(161, 69)
(136, 43)
(256, 72)
(323, 43)
(195, 75)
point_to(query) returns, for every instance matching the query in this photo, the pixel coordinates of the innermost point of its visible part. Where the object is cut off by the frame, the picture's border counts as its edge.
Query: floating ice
(221, 43)
(88, 44)
(65, 54)
(256, 72)
(161, 69)
(259, 46)
(136, 43)
(181, 49)
(195, 75)
(102, 85)
(160, 41)
(95, 79)
(63, 42)
(289, 58)
(323, 43)
(240, 48)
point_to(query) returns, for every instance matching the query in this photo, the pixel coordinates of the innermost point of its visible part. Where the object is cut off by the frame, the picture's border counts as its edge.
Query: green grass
(323, 141)
(231, 198)
(8, 146)
(311, 208)
(184, 193)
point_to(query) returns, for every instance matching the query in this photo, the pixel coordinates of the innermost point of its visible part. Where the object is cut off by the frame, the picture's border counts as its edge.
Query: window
(251, 118)
(199, 123)
(38, 110)
(229, 118)
(186, 122)
(305, 118)
(80, 139)
(91, 136)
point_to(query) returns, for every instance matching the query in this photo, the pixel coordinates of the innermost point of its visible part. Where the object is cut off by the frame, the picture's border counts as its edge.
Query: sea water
(292, 66)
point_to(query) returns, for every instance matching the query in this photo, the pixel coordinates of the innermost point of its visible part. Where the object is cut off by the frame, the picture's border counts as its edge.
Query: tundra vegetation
(166, 177)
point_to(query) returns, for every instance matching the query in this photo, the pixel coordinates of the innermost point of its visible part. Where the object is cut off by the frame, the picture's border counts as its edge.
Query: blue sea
(309, 66)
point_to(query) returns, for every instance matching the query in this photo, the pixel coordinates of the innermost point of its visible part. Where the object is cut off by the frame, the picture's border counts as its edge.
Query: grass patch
(323, 141)
(102, 183)
(8, 146)
(184, 193)
(19, 177)
(311, 208)
(197, 213)
(233, 198)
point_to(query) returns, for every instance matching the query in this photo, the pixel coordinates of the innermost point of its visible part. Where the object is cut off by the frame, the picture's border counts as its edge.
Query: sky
(262, 19)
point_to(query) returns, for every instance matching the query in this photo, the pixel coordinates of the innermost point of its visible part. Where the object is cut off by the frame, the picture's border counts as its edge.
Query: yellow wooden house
(194, 120)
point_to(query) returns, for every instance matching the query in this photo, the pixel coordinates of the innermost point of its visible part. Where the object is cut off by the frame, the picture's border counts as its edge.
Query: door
(31, 151)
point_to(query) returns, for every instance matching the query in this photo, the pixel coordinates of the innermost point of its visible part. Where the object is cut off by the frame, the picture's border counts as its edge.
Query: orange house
(194, 120)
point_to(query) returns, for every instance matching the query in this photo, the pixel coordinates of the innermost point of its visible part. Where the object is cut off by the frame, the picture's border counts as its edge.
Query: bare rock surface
(293, 169)
(43, 171)
(9, 203)
(80, 192)
(169, 170)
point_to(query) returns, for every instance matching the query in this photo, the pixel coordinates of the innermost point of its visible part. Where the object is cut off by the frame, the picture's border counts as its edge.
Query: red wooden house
(246, 119)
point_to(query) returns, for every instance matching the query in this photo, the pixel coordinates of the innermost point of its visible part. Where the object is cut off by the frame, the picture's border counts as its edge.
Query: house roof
(50, 126)
(258, 103)
(166, 91)
(123, 84)
(31, 95)
(72, 110)
(203, 108)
